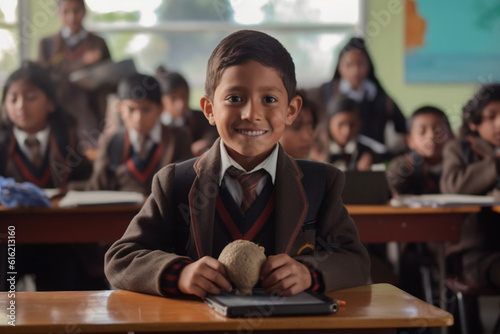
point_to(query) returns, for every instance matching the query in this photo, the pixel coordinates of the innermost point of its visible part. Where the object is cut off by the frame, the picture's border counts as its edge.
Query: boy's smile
(250, 109)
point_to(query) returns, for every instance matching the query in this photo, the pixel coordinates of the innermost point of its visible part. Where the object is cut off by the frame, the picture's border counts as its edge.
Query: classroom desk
(496, 208)
(378, 308)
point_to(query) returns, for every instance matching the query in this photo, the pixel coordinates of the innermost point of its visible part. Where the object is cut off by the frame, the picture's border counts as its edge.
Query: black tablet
(264, 305)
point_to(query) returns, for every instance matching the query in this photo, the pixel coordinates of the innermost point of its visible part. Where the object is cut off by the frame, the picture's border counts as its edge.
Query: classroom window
(9, 38)
(181, 35)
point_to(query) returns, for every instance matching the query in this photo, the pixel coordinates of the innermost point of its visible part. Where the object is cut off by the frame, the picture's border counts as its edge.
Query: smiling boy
(311, 242)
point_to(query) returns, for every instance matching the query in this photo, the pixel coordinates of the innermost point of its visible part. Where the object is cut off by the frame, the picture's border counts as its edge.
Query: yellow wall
(385, 38)
(43, 21)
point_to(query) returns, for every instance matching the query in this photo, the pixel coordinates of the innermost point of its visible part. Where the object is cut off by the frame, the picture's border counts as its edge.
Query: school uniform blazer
(106, 176)
(480, 176)
(137, 260)
(65, 162)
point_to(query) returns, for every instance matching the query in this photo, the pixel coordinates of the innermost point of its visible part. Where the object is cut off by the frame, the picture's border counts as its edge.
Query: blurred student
(38, 141)
(419, 170)
(297, 139)
(176, 111)
(344, 149)
(38, 144)
(129, 157)
(355, 78)
(71, 49)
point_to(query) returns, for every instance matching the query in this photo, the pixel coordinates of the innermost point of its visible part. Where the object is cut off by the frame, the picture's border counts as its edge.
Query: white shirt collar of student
(350, 148)
(269, 164)
(72, 40)
(42, 136)
(367, 89)
(154, 137)
(168, 119)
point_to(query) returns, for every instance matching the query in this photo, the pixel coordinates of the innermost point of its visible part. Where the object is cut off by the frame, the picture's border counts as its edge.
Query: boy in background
(129, 157)
(172, 245)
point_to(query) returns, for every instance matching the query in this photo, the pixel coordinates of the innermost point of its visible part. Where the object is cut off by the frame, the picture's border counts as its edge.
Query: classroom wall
(43, 21)
(385, 38)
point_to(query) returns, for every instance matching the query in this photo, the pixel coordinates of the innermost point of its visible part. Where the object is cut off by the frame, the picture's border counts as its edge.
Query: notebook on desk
(366, 187)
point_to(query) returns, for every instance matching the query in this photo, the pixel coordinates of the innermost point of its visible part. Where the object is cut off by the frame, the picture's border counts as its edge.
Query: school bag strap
(313, 182)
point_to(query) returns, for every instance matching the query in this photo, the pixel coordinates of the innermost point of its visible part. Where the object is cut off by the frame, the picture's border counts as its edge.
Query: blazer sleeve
(339, 255)
(398, 175)
(137, 260)
(182, 145)
(475, 178)
(397, 117)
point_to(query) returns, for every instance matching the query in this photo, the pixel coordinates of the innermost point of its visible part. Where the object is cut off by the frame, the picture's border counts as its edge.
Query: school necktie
(248, 183)
(143, 139)
(33, 145)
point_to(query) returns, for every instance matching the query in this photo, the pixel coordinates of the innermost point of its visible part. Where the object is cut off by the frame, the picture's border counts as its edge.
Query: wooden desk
(379, 308)
(496, 208)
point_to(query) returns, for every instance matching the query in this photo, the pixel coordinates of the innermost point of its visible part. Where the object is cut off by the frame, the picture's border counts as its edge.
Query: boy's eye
(234, 98)
(270, 99)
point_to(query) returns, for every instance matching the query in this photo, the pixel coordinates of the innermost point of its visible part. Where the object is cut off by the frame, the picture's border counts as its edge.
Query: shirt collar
(154, 135)
(269, 164)
(73, 40)
(168, 119)
(367, 88)
(350, 148)
(42, 136)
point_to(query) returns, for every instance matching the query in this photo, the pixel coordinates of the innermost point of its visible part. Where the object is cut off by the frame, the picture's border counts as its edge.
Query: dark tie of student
(33, 145)
(248, 183)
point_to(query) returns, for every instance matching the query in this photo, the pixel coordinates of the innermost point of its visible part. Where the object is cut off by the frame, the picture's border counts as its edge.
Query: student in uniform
(38, 141)
(38, 144)
(418, 171)
(197, 207)
(344, 149)
(355, 78)
(176, 111)
(471, 165)
(297, 140)
(129, 158)
(74, 48)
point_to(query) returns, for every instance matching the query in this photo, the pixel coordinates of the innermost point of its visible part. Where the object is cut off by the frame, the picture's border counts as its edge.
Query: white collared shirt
(42, 136)
(73, 40)
(233, 186)
(367, 88)
(167, 119)
(154, 137)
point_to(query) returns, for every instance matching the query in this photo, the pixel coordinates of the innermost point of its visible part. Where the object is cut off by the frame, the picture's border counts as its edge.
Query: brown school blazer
(480, 231)
(137, 260)
(65, 166)
(177, 148)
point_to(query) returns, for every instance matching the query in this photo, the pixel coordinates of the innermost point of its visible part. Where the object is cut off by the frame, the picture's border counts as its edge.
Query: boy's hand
(92, 56)
(365, 162)
(207, 275)
(283, 275)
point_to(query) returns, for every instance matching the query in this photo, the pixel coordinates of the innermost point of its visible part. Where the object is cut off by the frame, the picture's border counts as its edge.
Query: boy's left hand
(283, 275)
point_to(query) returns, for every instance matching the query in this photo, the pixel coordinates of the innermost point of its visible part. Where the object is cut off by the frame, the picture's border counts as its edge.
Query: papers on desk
(83, 198)
(442, 200)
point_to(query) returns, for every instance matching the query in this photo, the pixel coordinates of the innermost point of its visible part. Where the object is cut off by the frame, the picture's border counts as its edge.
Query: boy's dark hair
(309, 104)
(34, 74)
(428, 110)
(139, 87)
(246, 45)
(473, 109)
(339, 104)
(170, 81)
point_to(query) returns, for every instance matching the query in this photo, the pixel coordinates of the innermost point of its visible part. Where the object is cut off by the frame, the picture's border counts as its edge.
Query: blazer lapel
(202, 199)
(291, 202)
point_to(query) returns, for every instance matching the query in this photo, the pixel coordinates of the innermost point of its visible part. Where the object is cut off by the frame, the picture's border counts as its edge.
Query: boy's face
(177, 102)
(344, 126)
(71, 14)
(489, 128)
(427, 136)
(250, 110)
(298, 137)
(27, 106)
(354, 67)
(139, 115)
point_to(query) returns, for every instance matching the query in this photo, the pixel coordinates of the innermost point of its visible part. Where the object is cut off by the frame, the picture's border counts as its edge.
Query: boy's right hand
(207, 275)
